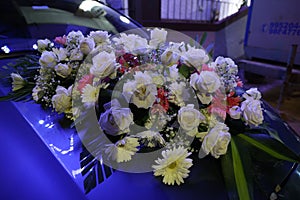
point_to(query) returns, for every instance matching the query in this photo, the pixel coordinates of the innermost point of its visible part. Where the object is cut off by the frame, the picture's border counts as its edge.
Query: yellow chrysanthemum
(174, 166)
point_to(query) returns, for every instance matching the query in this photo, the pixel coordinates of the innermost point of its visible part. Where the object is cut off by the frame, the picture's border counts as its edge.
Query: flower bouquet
(150, 104)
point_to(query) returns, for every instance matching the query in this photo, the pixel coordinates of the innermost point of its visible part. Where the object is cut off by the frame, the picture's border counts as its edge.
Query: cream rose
(115, 120)
(48, 59)
(43, 45)
(189, 119)
(61, 53)
(235, 112)
(158, 37)
(252, 112)
(205, 82)
(99, 36)
(63, 70)
(141, 91)
(103, 64)
(132, 42)
(86, 45)
(195, 57)
(252, 93)
(216, 141)
(61, 101)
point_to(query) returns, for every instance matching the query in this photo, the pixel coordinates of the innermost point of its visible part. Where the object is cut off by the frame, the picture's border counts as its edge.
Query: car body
(23, 22)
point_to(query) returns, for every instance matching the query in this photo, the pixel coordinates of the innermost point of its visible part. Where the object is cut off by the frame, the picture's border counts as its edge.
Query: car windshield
(29, 20)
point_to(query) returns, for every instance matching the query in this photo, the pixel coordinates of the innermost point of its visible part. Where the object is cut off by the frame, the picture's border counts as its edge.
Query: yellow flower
(90, 94)
(123, 150)
(173, 166)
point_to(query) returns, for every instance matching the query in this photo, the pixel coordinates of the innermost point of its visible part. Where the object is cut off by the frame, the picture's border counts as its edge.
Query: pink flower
(61, 40)
(86, 79)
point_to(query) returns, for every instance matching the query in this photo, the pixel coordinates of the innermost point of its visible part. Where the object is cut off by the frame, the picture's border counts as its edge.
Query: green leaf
(239, 174)
(185, 70)
(228, 175)
(271, 146)
(203, 38)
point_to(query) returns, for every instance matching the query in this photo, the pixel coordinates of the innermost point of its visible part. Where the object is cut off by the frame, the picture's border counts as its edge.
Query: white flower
(43, 45)
(103, 64)
(205, 98)
(99, 37)
(48, 59)
(123, 150)
(89, 95)
(216, 141)
(61, 101)
(86, 45)
(195, 57)
(252, 112)
(158, 36)
(74, 37)
(205, 82)
(115, 120)
(61, 53)
(252, 93)
(18, 81)
(179, 93)
(174, 166)
(141, 91)
(152, 137)
(36, 93)
(132, 43)
(235, 112)
(189, 119)
(63, 70)
(76, 55)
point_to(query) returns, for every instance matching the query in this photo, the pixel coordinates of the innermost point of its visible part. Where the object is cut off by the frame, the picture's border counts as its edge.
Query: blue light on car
(40, 7)
(124, 19)
(5, 49)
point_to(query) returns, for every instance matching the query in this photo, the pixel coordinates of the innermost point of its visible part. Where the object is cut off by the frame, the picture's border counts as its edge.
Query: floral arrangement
(151, 95)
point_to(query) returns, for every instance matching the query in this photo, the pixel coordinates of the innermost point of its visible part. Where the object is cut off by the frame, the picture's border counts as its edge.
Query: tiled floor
(289, 109)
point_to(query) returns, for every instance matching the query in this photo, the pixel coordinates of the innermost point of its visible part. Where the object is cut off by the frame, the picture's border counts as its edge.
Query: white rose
(63, 70)
(144, 96)
(169, 57)
(189, 119)
(61, 101)
(205, 82)
(216, 141)
(103, 64)
(179, 93)
(132, 43)
(99, 36)
(158, 36)
(252, 112)
(195, 57)
(18, 81)
(86, 45)
(252, 93)
(48, 59)
(141, 91)
(173, 73)
(235, 112)
(61, 53)
(115, 120)
(76, 55)
(43, 45)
